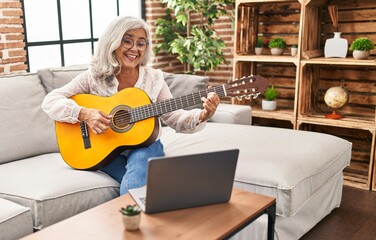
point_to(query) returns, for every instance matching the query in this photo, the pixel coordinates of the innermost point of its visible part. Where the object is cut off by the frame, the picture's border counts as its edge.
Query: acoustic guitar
(135, 121)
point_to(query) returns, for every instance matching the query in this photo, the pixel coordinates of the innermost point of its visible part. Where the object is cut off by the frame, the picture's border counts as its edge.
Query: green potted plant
(259, 46)
(277, 46)
(194, 43)
(269, 103)
(361, 47)
(131, 217)
(294, 50)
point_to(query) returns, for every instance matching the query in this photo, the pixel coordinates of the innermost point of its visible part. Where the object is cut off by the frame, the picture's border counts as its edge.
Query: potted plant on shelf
(270, 101)
(277, 46)
(259, 46)
(294, 50)
(131, 217)
(361, 47)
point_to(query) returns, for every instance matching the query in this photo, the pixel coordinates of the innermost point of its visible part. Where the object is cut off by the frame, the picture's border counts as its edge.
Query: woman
(120, 62)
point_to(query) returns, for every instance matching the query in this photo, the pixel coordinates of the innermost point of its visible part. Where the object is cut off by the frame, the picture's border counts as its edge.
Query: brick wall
(169, 63)
(12, 39)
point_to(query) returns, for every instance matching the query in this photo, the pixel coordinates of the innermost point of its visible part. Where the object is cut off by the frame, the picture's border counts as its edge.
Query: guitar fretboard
(170, 105)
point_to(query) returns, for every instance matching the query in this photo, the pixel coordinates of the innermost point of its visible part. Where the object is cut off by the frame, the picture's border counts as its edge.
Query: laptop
(185, 181)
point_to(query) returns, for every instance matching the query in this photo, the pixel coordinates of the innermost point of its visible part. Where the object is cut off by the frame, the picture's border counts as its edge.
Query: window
(64, 32)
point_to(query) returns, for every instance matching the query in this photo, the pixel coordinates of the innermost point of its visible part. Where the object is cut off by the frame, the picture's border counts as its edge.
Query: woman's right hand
(97, 120)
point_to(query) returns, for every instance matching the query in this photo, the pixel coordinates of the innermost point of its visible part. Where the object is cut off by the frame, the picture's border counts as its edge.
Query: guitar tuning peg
(247, 97)
(239, 98)
(255, 95)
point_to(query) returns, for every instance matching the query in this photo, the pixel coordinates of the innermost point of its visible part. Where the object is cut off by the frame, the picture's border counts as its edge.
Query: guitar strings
(169, 105)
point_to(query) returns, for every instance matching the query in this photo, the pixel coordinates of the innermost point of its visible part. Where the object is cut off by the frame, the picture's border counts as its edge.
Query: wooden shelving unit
(302, 80)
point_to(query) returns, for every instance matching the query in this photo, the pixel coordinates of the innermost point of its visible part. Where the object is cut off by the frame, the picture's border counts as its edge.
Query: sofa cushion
(57, 77)
(183, 84)
(232, 113)
(52, 190)
(25, 129)
(15, 220)
(287, 164)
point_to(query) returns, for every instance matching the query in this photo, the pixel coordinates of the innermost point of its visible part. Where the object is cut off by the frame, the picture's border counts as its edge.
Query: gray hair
(104, 64)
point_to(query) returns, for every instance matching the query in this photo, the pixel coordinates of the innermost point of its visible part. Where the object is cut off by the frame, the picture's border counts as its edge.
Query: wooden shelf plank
(346, 122)
(279, 114)
(341, 61)
(263, 1)
(266, 58)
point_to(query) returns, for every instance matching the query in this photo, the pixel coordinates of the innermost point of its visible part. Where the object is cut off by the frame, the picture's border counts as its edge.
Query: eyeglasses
(129, 43)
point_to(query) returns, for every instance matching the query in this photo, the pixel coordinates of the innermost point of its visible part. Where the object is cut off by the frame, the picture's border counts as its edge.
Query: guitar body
(94, 151)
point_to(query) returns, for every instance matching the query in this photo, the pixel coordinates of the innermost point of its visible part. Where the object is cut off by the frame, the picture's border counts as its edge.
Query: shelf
(279, 114)
(266, 58)
(341, 61)
(346, 122)
(355, 180)
(264, 1)
(304, 79)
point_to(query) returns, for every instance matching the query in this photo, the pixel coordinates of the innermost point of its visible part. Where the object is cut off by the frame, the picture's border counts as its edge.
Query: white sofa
(303, 170)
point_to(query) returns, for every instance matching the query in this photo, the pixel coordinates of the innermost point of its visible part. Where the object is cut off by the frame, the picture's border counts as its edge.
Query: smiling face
(131, 56)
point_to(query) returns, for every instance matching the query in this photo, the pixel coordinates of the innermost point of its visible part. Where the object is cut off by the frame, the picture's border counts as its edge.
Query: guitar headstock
(247, 87)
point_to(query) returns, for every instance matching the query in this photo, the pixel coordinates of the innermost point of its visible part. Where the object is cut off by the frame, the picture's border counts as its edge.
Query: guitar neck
(170, 105)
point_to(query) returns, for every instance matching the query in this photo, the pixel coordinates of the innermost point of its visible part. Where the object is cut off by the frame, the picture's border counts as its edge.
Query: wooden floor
(355, 219)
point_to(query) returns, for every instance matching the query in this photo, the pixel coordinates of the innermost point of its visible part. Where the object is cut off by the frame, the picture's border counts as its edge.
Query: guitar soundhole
(121, 119)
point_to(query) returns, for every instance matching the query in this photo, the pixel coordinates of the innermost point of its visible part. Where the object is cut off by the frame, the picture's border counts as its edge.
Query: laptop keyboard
(143, 200)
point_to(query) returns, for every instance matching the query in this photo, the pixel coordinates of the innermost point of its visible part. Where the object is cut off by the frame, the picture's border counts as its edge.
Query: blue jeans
(131, 170)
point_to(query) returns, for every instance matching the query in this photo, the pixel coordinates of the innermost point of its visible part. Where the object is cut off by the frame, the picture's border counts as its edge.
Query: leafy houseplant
(270, 95)
(195, 43)
(131, 217)
(259, 46)
(361, 48)
(277, 46)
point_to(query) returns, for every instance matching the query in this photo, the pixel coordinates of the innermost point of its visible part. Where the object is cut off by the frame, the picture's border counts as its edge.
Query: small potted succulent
(294, 50)
(270, 101)
(277, 46)
(259, 46)
(131, 217)
(361, 47)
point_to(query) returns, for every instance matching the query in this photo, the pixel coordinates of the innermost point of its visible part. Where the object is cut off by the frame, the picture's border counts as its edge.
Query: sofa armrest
(231, 113)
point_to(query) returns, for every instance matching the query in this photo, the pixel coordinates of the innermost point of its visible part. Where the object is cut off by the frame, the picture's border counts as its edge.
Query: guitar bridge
(85, 135)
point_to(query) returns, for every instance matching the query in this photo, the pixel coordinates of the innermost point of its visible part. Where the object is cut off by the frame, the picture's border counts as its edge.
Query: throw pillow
(25, 129)
(57, 77)
(183, 84)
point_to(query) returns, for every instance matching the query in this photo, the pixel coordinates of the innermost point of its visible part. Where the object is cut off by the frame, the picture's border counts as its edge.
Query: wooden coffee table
(216, 221)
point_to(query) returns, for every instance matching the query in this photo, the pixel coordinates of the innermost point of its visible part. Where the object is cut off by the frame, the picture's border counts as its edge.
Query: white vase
(268, 105)
(258, 50)
(294, 51)
(336, 46)
(361, 55)
(277, 51)
(131, 223)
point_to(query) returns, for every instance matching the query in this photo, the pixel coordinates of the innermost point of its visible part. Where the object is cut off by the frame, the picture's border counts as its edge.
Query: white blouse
(58, 105)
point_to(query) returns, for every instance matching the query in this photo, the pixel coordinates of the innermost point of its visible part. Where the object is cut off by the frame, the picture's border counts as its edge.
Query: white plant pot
(361, 55)
(258, 50)
(277, 51)
(294, 51)
(268, 105)
(131, 223)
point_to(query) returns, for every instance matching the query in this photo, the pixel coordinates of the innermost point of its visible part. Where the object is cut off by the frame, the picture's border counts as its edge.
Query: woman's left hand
(210, 104)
